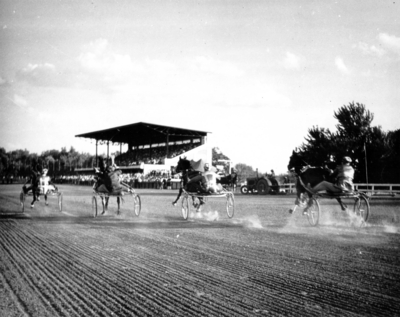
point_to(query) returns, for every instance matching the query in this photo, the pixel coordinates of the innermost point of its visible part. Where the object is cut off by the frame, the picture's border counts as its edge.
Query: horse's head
(295, 162)
(183, 165)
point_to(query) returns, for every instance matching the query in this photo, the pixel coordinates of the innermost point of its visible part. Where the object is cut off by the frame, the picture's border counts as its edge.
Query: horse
(108, 184)
(34, 178)
(185, 167)
(229, 181)
(305, 175)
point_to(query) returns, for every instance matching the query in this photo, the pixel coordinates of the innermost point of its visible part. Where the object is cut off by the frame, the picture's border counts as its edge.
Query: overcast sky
(257, 74)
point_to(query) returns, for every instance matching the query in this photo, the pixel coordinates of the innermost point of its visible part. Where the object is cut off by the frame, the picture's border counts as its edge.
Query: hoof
(102, 213)
(290, 211)
(174, 204)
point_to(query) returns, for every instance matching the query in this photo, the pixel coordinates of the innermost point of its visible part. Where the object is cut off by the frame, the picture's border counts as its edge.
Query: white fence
(372, 189)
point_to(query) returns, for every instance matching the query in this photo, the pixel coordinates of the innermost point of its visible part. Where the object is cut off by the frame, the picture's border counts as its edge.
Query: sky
(256, 74)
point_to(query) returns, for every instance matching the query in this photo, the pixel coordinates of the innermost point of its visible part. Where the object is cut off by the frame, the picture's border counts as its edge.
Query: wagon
(228, 195)
(51, 191)
(360, 200)
(125, 197)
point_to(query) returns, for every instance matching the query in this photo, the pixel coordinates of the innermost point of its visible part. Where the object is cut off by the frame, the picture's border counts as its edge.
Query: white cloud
(341, 65)
(38, 74)
(391, 42)
(370, 49)
(99, 60)
(20, 101)
(210, 65)
(291, 61)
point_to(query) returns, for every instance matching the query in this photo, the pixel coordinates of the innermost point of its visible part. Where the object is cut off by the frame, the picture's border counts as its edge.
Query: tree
(244, 171)
(368, 146)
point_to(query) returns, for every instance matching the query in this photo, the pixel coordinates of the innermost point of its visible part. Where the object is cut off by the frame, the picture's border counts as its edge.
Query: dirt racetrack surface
(262, 262)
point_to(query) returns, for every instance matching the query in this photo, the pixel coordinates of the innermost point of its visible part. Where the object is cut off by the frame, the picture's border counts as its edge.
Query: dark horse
(305, 175)
(185, 167)
(229, 181)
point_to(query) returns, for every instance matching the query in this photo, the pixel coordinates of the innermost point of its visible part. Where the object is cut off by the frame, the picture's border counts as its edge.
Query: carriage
(306, 174)
(51, 190)
(125, 197)
(191, 170)
(230, 201)
(360, 200)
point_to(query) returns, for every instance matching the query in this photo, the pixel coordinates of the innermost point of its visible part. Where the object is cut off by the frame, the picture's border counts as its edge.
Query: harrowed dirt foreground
(262, 262)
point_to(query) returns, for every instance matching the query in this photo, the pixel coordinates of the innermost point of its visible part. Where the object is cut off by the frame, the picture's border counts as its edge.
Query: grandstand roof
(142, 133)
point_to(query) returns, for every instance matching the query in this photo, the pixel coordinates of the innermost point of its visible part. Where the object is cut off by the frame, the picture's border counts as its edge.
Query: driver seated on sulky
(108, 178)
(44, 183)
(343, 174)
(207, 181)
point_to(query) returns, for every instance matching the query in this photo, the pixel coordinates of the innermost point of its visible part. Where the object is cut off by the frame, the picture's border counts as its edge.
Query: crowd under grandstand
(151, 146)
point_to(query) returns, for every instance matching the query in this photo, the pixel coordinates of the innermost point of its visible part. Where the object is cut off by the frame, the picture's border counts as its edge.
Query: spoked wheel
(361, 207)
(137, 204)
(22, 200)
(230, 205)
(60, 201)
(313, 212)
(185, 207)
(94, 206)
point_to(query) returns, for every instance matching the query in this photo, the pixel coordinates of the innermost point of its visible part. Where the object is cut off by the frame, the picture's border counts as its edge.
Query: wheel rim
(361, 208)
(185, 207)
(137, 206)
(60, 201)
(22, 201)
(313, 213)
(94, 206)
(230, 205)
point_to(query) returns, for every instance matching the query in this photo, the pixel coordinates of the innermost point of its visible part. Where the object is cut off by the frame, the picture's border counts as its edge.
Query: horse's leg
(342, 204)
(179, 196)
(34, 193)
(103, 204)
(118, 203)
(296, 202)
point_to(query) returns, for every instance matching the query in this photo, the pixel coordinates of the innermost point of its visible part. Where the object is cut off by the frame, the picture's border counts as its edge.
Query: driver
(207, 180)
(343, 174)
(44, 183)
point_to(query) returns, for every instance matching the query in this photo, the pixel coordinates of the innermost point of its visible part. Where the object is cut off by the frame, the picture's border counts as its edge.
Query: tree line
(375, 153)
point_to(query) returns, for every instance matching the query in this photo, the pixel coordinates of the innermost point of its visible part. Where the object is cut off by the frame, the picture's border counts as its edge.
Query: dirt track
(261, 262)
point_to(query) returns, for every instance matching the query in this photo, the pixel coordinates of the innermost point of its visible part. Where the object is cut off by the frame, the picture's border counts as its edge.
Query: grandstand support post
(108, 150)
(167, 145)
(97, 152)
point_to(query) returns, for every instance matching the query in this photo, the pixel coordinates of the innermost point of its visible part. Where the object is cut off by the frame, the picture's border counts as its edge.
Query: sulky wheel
(60, 201)
(137, 204)
(313, 212)
(230, 204)
(361, 207)
(22, 197)
(94, 206)
(185, 207)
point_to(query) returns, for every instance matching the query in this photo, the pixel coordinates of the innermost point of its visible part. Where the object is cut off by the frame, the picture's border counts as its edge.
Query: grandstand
(151, 147)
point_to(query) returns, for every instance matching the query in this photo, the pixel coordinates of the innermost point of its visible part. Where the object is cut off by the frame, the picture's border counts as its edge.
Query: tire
(137, 204)
(60, 201)
(94, 206)
(244, 190)
(361, 207)
(230, 205)
(185, 207)
(263, 187)
(313, 212)
(22, 201)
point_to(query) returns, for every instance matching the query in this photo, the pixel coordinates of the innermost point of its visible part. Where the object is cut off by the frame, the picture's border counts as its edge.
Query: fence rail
(372, 189)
